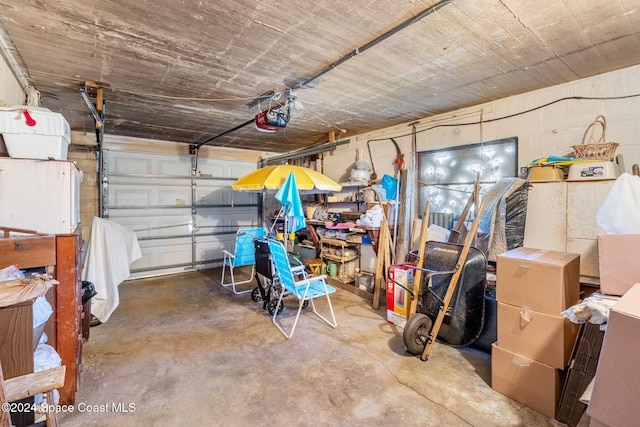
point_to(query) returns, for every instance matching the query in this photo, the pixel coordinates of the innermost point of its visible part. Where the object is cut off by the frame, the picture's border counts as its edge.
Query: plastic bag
(41, 311)
(390, 186)
(620, 211)
(20, 290)
(10, 273)
(372, 217)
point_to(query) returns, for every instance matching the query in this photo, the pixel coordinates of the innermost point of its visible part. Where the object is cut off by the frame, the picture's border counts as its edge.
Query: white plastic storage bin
(48, 138)
(40, 195)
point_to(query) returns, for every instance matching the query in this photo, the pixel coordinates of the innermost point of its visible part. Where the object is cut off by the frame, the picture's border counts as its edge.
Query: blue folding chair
(304, 290)
(244, 255)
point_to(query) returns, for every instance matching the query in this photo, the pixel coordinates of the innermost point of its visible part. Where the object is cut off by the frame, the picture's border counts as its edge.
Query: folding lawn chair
(244, 255)
(305, 290)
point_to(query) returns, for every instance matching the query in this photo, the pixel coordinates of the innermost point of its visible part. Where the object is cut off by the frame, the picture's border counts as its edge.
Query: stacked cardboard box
(533, 288)
(614, 401)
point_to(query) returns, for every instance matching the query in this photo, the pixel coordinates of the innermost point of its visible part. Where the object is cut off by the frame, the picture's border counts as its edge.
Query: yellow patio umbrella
(272, 178)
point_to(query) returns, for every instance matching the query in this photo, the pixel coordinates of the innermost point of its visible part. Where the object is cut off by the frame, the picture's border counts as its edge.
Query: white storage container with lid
(34, 133)
(593, 171)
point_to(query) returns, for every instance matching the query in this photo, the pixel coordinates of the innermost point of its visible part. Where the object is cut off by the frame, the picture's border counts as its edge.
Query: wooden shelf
(340, 258)
(336, 242)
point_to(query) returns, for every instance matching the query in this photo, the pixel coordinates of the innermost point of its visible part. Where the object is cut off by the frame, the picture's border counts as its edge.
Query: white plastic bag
(41, 311)
(10, 273)
(372, 217)
(620, 211)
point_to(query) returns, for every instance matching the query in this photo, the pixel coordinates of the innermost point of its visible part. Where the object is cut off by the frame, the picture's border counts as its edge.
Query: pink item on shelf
(340, 225)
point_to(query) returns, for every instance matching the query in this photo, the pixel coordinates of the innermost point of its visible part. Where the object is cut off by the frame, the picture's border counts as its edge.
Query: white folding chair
(304, 290)
(244, 255)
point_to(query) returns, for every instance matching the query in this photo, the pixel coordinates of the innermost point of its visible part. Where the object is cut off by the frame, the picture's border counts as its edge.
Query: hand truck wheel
(416, 333)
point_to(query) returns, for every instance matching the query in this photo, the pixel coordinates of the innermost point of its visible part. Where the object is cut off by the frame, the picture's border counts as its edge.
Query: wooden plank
(28, 251)
(16, 339)
(34, 383)
(68, 308)
(5, 419)
(418, 276)
(403, 238)
(379, 277)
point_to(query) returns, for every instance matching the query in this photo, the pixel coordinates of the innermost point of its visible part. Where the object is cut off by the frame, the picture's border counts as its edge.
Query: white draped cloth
(111, 250)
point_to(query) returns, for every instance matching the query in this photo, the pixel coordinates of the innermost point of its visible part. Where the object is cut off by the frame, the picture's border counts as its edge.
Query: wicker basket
(596, 149)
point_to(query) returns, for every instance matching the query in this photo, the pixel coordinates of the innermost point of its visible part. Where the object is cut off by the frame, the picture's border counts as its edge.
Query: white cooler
(48, 138)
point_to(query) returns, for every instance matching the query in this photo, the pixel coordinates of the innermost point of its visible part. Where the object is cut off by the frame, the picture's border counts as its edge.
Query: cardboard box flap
(540, 256)
(629, 305)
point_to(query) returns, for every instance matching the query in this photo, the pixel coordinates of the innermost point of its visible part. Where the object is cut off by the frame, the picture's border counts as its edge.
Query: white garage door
(182, 222)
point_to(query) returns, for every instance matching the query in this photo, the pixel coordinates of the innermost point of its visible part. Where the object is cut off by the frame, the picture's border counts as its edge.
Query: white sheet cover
(111, 250)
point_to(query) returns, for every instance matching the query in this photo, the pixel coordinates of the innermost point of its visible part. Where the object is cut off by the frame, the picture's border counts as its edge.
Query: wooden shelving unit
(328, 248)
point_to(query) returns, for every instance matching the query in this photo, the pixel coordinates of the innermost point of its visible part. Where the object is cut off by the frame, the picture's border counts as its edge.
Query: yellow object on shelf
(546, 173)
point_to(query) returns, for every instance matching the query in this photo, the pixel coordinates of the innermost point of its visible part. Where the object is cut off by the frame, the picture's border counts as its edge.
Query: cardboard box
(614, 400)
(535, 335)
(537, 279)
(596, 423)
(618, 261)
(529, 382)
(355, 238)
(542, 337)
(398, 299)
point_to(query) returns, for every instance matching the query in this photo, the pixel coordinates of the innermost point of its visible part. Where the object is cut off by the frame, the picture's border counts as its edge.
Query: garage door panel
(217, 168)
(122, 162)
(210, 250)
(133, 181)
(214, 196)
(157, 214)
(145, 197)
(182, 222)
(174, 166)
(159, 253)
(226, 219)
(244, 198)
(159, 226)
(127, 165)
(134, 197)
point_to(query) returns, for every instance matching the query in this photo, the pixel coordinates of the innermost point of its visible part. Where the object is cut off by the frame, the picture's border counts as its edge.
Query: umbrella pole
(275, 221)
(286, 233)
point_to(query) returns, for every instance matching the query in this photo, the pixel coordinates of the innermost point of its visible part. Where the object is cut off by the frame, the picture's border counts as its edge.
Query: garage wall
(543, 131)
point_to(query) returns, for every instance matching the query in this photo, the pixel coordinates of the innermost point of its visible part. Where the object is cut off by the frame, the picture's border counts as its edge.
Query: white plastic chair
(304, 290)
(244, 255)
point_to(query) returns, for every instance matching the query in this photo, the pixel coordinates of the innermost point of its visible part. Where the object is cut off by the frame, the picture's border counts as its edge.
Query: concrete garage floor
(181, 350)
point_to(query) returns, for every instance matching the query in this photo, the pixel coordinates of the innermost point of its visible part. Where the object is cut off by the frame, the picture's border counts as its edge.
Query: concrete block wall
(547, 130)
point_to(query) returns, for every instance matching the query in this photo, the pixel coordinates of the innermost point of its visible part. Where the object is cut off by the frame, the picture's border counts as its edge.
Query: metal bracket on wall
(97, 109)
(103, 195)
